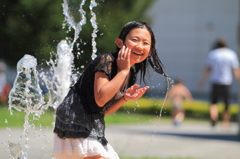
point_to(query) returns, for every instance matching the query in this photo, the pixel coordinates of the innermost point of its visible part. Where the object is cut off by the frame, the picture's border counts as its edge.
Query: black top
(78, 115)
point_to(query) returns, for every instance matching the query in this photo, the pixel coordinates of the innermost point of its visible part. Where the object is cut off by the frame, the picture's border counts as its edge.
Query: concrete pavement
(158, 139)
(198, 141)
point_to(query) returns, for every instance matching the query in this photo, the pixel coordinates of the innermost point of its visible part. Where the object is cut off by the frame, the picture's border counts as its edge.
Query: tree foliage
(35, 27)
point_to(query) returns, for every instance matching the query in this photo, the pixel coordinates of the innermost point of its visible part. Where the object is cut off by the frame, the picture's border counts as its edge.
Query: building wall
(185, 31)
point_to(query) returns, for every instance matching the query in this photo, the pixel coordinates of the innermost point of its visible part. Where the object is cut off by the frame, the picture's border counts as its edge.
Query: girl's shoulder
(105, 58)
(108, 56)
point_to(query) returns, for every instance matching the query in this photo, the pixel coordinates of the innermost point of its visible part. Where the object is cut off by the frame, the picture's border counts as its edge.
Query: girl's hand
(123, 60)
(133, 93)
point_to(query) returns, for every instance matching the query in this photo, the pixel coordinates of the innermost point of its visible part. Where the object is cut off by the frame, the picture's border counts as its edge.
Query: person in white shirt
(222, 63)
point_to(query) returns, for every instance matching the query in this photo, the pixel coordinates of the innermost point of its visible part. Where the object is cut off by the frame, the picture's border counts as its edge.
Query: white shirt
(222, 61)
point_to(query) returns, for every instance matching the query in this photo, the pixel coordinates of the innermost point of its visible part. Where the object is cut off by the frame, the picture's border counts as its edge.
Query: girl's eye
(134, 39)
(146, 43)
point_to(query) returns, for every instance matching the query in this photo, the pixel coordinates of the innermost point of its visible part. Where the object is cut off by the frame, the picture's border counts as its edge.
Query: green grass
(122, 117)
(17, 118)
(148, 111)
(47, 119)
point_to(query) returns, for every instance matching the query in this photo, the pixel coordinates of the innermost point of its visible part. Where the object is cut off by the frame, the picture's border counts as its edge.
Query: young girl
(105, 85)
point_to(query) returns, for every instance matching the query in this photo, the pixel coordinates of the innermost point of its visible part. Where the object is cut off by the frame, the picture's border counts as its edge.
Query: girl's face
(139, 41)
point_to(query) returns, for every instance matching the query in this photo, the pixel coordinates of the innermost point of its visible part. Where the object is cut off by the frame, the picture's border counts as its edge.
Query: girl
(105, 85)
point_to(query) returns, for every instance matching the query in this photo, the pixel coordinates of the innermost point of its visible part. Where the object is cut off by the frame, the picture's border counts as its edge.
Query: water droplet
(27, 146)
(137, 103)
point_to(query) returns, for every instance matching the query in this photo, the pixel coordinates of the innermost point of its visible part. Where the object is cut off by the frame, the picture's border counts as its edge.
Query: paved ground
(193, 140)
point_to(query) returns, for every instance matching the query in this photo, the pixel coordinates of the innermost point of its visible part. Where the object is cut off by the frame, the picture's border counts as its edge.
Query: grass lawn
(47, 119)
(17, 118)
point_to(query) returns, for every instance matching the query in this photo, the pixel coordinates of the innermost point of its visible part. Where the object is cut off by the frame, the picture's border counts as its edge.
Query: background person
(222, 63)
(177, 94)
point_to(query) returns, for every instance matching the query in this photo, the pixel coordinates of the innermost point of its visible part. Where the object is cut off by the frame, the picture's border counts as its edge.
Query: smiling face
(139, 41)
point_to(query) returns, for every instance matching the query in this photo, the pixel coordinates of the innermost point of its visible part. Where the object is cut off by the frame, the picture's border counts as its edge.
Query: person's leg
(95, 157)
(177, 115)
(214, 112)
(226, 114)
(226, 118)
(213, 107)
(173, 113)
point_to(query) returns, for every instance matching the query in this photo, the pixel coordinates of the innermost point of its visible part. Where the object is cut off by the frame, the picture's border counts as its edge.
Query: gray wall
(185, 31)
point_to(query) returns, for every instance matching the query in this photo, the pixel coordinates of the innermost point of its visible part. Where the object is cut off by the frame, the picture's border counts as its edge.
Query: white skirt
(81, 147)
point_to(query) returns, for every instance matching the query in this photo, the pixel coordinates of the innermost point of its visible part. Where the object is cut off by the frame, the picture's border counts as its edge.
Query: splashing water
(71, 10)
(169, 83)
(26, 94)
(60, 74)
(95, 27)
(15, 150)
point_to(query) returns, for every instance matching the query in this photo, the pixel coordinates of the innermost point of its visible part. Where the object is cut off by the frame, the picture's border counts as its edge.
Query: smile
(137, 54)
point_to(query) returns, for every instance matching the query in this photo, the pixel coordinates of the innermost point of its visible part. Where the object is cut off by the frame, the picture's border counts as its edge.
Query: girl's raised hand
(123, 60)
(134, 93)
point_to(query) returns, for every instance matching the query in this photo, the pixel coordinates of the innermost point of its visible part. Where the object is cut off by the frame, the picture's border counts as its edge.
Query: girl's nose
(139, 46)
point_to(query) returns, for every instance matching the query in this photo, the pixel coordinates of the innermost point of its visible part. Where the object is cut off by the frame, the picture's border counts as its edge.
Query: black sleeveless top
(78, 116)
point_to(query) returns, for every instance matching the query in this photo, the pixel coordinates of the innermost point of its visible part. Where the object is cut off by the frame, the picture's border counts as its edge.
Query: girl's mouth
(137, 53)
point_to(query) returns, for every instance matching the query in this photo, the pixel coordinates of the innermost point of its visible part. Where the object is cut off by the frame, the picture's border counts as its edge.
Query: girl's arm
(132, 93)
(104, 88)
(115, 107)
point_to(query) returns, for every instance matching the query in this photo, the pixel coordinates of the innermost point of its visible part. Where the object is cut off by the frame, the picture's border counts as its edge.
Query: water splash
(26, 94)
(95, 29)
(59, 79)
(169, 83)
(75, 17)
(15, 150)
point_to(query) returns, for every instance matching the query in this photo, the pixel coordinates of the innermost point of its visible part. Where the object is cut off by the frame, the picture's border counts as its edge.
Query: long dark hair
(153, 59)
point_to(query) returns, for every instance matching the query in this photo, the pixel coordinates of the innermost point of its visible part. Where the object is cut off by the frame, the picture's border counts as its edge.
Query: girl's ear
(119, 43)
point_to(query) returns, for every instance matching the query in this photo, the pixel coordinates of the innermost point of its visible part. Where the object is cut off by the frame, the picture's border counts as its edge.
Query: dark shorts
(220, 92)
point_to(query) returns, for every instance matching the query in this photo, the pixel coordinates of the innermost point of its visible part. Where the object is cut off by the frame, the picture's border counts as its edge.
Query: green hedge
(194, 109)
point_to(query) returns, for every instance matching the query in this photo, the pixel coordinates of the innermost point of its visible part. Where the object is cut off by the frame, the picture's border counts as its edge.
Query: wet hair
(153, 58)
(220, 43)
